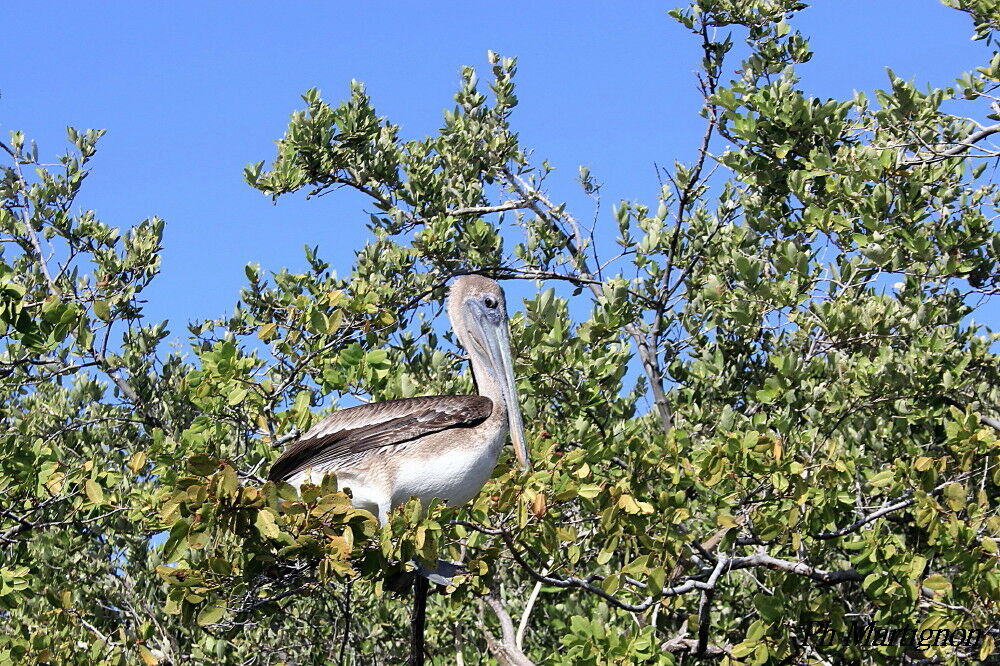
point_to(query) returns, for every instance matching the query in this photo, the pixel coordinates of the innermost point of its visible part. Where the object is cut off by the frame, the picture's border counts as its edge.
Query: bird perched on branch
(439, 446)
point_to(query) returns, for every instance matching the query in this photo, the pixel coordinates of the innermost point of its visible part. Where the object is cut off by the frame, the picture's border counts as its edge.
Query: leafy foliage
(770, 407)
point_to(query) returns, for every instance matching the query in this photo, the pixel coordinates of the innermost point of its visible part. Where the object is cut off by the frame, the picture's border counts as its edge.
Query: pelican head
(478, 313)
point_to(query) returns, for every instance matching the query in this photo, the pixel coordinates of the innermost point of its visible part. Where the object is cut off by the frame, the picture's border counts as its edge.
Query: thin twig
(29, 229)
(528, 606)
(347, 622)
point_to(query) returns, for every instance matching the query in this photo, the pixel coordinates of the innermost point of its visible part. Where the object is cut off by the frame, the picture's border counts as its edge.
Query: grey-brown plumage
(442, 446)
(350, 432)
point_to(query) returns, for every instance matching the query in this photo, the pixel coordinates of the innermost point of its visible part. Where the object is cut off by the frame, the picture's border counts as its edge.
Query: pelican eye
(490, 302)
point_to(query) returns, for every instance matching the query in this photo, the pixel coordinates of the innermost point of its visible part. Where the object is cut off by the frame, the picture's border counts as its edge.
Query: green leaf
(237, 395)
(211, 614)
(147, 657)
(176, 539)
(266, 525)
(883, 478)
(137, 462)
(938, 583)
(102, 310)
(202, 464)
(318, 322)
(267, 331)
(94, 491)
(771, 609)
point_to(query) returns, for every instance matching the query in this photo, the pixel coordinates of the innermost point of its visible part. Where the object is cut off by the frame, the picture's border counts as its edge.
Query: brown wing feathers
(358, 429)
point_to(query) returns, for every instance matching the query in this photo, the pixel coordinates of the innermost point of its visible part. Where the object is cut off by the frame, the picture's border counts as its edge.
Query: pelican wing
(351, 431)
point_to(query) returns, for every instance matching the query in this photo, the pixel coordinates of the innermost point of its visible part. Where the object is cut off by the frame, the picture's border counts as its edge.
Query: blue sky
(190, 92)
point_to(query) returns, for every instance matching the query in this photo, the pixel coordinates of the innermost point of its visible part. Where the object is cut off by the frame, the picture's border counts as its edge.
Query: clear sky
(192, 91)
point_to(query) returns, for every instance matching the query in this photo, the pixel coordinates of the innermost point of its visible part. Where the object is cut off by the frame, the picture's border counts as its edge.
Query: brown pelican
(442, 446)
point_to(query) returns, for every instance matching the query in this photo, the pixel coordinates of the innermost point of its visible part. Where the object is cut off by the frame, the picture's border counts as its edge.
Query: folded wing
(350, 432)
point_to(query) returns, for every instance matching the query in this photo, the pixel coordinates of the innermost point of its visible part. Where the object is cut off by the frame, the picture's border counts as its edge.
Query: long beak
(498, 341)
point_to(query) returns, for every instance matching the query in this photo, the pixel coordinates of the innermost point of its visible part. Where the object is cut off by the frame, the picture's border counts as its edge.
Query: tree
(809, 437)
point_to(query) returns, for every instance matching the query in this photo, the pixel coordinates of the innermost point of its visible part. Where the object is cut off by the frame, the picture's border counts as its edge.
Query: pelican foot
(442, 573)
(401, 581)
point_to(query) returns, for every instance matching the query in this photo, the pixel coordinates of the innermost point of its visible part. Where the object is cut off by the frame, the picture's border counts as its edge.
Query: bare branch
(506, 650)
(959, 148)
(798, 568)
(92, 629)
(539, 204)
(687, 645)
(528, 606)
(149, 416)
(418, 621)
(704, 620)
(895, 505)
(990, 422)
(706, 579)
(885, 510)
(287, 437)
(29, 229)
(486, 210)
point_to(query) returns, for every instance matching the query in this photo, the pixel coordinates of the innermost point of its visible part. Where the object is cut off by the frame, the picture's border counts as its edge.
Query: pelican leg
(417, 622)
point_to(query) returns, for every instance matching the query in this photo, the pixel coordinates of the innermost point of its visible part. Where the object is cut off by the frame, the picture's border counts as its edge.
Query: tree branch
(704, 620)
(958, 149)
(798, 568)
(539, 204)
(687, 645)
(486, 210)
(506, 651)
(528, 606)
(150, 418)
(901, 503)
(722, 565)
(990, 422)
(92, 629)
(26, 221)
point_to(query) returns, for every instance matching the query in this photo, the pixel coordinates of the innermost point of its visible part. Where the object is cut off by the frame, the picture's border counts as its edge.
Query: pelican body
(439, 446)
